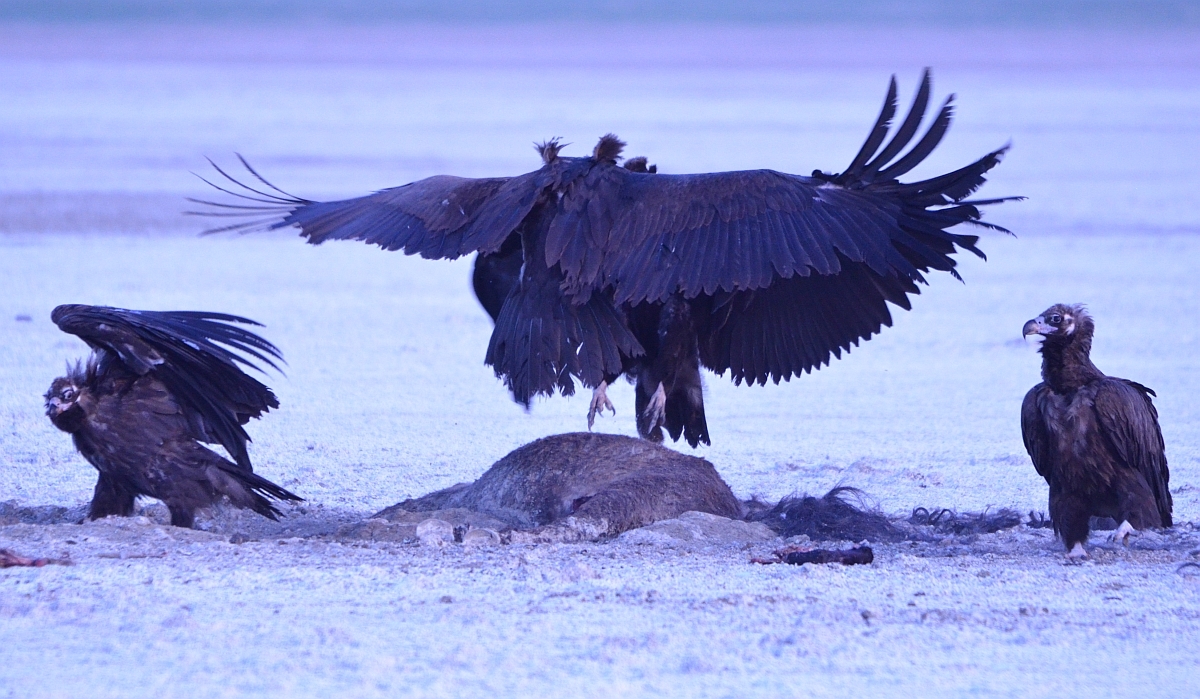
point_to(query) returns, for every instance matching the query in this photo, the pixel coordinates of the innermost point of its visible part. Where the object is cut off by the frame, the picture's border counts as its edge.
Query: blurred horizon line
(1050, 14)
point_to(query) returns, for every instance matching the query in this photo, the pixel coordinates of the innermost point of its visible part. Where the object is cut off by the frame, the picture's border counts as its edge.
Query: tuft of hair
(842, 514)
(608, 149)
(641, 165)
(549, 149)
(946, 521)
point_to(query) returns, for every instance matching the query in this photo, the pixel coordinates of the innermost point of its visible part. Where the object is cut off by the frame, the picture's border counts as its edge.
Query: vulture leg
(1121, 535)
(1076, 553)
(670, 392)
(110, 498)
(651, 412)
(600, 401)
(1070, 513)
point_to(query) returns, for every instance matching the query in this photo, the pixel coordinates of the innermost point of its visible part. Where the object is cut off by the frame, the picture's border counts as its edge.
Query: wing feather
(1130, 422)
(770, 225)
(196, 355)
(1035, 432)
(796, 324)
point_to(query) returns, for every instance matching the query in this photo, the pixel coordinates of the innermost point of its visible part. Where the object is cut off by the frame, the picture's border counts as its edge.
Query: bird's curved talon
(1122, 533)
(600, 401)
(1076, 554)
(656, 411)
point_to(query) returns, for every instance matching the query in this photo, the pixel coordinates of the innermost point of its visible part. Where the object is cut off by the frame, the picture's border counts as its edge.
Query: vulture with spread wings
(158, 384)
(592, 270)
(1094, 438)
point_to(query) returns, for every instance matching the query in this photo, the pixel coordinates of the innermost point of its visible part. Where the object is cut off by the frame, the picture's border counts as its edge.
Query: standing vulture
(1094, 438)
(592, 270)
(158, 384)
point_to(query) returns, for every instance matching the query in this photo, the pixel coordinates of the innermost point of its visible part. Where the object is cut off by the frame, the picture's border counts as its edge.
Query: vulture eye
(1055, 319)
(68, 393)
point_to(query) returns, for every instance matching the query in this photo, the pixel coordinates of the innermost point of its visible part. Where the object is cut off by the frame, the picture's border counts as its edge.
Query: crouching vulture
(592, 270)
(1094, 438)
(156, 385)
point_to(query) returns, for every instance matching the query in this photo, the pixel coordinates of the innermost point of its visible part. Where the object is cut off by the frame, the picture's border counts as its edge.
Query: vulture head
(608, 149)
(640, 164)
(62, 401)
(549, 149)
(1061, 324)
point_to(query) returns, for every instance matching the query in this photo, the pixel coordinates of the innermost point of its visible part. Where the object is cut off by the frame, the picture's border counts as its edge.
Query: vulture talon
(1122, 533)
(600, 401)
(656, 412)
(1076, 554)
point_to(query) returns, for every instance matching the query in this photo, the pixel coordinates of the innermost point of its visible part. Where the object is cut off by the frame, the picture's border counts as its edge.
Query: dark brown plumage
(156, 385)
(592, 270)
(1094, 438)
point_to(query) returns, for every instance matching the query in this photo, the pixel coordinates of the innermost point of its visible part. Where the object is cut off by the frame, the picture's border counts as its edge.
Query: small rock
(578, 570)
(378, 530)
(457, 516)
(435, 532)
(700, 527)
(566, 531)
(481, 537)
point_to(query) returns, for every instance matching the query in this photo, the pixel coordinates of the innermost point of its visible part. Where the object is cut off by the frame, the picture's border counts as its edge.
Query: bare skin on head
(1094, 438)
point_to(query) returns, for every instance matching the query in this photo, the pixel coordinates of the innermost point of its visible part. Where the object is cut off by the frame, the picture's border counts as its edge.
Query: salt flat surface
(386, 396)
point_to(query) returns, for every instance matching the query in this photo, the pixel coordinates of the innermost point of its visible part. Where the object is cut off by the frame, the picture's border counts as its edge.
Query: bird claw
(1122, 533)
(656, 410)
(600, 401)
(1076, 554)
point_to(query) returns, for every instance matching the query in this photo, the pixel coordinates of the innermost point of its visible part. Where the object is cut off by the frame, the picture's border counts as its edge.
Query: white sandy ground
(386, 396)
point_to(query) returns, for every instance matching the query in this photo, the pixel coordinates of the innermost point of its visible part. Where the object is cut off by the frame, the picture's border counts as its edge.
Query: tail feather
(249, 490)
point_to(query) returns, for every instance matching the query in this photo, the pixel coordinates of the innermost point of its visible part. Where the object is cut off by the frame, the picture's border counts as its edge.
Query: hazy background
(1060, 13)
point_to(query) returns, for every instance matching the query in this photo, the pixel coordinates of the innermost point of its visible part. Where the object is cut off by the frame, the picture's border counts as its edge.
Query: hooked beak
(1037, 326)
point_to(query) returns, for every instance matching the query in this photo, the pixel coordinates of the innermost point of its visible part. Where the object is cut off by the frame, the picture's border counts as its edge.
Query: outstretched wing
(437, 217)
(195, 354)
(1126, 412)
(796, 324)
(650, 236)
